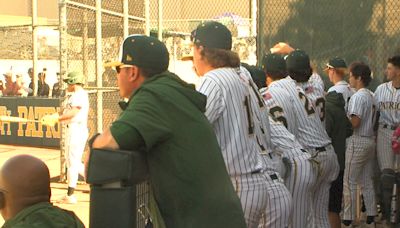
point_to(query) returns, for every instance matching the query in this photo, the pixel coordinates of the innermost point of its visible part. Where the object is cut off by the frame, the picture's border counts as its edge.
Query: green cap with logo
(298, 60)
(212, 34)
(74, 77)
(336, 63)
(273, 63)
(142, 51)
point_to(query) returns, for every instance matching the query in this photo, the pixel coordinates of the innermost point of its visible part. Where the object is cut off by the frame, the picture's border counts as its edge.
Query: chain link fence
(365, 31)
(178, 18)
(94, 31)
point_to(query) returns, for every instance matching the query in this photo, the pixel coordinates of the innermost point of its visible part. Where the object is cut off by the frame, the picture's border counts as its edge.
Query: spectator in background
(1, 88)
(19, 86)
(9, 89)
(43, 87)
(57, 92)
(31, 84)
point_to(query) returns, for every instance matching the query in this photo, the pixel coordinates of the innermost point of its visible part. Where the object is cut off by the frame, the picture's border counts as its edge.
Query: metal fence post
(63, 69)
(34, 47)
(99, 67)
(160, 19)
(126, 18)
(147, 17)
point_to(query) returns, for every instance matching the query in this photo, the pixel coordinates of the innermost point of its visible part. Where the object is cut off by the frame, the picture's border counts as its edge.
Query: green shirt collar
(24, 213)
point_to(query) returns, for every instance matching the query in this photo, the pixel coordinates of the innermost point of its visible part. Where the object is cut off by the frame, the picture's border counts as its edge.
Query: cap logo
(129, 58)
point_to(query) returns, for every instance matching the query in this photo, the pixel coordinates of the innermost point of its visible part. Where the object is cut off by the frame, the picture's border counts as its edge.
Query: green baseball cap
(298, 60)
(273, 62)
(142, 51)
(336, 63)
(74, 77)
(212, 34)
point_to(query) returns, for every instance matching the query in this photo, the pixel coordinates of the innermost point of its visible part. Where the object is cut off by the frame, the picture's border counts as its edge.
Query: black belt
(257, 171)
(389, 127)
(320, 149)
(273, 176)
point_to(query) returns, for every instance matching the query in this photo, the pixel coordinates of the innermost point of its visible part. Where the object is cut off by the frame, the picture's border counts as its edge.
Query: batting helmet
(74, 77)
(396, 141)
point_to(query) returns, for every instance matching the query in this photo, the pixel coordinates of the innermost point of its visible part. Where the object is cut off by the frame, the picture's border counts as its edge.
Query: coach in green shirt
(164, 119)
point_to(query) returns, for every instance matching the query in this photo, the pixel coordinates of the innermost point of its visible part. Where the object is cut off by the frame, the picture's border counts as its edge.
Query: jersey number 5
(277, 113)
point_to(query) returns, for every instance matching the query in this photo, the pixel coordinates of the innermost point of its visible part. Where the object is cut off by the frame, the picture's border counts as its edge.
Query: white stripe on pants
(300, 183)
(252, 192)
(327, 172)
(75, 143)
(384, 148)
(359, 164)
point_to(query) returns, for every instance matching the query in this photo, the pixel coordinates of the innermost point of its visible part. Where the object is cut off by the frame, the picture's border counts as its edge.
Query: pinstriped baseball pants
(360, 156)
(327, 172)
(278, 213)
(260, 194)
(301, 183)
(252, 191)
(384, 148)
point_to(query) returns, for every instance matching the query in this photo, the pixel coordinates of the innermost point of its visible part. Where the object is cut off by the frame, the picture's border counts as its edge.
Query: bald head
(24, 181)
(25, 176)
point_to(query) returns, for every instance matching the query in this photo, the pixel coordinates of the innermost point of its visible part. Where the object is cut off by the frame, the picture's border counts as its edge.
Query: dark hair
(275, 74)
(361, 70)
(300, 75)
(218, 58)
(395, 60)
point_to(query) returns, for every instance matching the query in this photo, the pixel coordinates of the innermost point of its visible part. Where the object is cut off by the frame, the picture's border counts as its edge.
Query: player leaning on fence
(164, 119)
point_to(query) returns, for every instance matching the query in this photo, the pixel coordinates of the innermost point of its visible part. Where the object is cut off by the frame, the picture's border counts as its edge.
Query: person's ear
(135, 71)
(2, 200)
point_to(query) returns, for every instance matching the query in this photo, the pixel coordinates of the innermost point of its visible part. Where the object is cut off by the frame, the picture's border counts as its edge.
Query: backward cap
(273, 62)
(212, 34)
(298, 60)
(336, 63)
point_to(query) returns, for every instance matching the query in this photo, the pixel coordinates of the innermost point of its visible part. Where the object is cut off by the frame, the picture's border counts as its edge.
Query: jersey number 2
(307, 105)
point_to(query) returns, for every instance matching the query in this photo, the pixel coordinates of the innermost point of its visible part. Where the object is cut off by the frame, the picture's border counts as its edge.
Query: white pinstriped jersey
(387, 100)
(310, 131)
(283, 141)
(344, 88)
(280, 106)
(316, 94)
(236, 111)
(361, 104)
(317, 81)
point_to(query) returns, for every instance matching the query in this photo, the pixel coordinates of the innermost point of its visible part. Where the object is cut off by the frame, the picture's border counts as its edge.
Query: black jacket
(338, 126)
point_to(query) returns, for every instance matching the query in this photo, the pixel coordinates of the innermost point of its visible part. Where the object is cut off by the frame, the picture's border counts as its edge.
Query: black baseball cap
(142, 51)
(298, 60)
(212, 34)
(336, 63)
(273, 62)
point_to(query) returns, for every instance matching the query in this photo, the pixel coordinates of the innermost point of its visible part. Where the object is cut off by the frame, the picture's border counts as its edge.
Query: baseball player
(238, 116)
(301, 173)
(387, 100)
(336, 69)
(360, 147)
(164, 119)
(75, 116)
(311, 133)
(289, 105)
